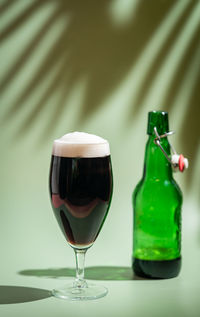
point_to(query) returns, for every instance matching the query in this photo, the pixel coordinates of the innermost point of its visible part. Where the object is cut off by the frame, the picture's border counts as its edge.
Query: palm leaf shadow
(24, 58)
(6, 5)
(96, 49)
(190, 134)
(21, 19)
(91, 46)
(158, 61)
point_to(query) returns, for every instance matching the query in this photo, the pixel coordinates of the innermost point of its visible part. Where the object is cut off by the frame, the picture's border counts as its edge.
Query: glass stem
(80, 262)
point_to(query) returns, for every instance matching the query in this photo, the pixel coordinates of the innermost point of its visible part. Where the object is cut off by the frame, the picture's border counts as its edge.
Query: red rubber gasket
(181, 164)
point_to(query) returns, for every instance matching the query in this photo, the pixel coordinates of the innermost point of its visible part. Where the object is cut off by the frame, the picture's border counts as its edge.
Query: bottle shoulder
(137, 189)
(178, 190)
(157, 188)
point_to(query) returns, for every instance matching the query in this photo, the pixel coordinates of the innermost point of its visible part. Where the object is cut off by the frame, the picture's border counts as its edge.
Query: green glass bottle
(157, 201)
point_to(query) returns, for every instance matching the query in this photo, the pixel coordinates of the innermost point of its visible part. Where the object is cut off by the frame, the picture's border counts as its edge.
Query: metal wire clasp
(157, 142)
(178, 161)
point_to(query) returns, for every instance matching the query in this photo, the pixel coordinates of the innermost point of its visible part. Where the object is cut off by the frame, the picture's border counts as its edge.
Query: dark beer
(80, 190)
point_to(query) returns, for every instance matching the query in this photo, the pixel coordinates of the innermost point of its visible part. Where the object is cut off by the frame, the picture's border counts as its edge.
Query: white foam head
(81, 144)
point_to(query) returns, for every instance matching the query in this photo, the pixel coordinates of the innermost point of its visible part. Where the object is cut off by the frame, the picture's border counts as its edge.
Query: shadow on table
(20, 294)
(112, 273)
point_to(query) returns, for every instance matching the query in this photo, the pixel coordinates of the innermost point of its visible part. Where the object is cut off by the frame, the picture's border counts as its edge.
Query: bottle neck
(155, 164)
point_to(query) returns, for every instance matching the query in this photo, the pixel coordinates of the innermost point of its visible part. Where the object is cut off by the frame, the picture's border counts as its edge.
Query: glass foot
(88, 292)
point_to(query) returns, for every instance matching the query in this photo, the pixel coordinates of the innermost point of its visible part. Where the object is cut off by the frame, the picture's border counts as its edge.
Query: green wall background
(98, 67)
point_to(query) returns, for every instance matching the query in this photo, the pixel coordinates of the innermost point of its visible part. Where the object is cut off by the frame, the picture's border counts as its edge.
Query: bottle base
(157, 269)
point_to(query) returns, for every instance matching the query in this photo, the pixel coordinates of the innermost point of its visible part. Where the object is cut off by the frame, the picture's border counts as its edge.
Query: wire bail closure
(177, 161)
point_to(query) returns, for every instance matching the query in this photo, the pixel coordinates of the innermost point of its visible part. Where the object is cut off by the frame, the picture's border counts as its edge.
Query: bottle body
(157, 201)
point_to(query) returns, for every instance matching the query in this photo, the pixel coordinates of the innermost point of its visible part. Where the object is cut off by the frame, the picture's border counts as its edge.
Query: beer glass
(80, 191)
